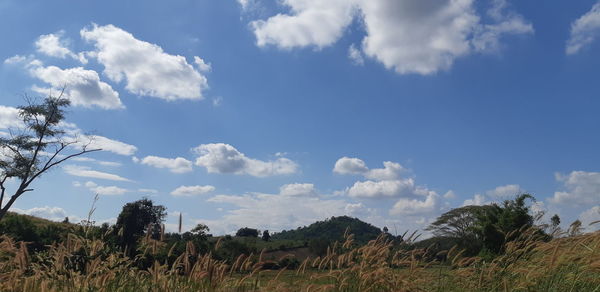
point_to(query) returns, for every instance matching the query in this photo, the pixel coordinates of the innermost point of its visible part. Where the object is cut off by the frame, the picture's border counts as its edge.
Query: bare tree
(36, 146)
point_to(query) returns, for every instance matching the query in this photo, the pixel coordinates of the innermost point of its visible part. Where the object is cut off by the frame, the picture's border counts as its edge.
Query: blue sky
(274, 114)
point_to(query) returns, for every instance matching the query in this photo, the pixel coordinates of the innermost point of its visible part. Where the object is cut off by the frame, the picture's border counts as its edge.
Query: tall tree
(35, 147)
(459, 225)
(266, 236)
(247, 232)
(498, 224)
(137, 218)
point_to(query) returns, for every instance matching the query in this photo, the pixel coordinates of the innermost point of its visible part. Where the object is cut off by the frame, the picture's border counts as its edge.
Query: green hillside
(332, 230)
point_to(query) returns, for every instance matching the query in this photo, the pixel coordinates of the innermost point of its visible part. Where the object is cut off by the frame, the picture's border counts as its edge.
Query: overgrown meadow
(85, 261)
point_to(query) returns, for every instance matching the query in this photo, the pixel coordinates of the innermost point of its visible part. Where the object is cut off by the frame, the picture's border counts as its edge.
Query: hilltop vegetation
(331, 230)
(475, 248)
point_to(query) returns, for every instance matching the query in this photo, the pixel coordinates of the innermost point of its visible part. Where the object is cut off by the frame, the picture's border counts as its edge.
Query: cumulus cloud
(284, 212)
(584, 30)
(581, 188)
(82, 171)
(109, 190)
(16, 59)
(406, 206)
(9, 117)
(408, 36)
(224, 158)
(500, 192)
(347, 165)
(145, 67)
(106, 144)
(46, 212)
(100, 162)
(83, 87)
(176, 165)
(507, 191)
(355, 55)
(478, 200)
(590, 216)
(450, 195)
(202, 65)
(188, 191)
(298, 189)
(386, 188)
(54, 46)
(311, 23)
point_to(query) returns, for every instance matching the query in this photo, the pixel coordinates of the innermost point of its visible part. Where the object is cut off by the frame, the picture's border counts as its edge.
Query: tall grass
(86, 264)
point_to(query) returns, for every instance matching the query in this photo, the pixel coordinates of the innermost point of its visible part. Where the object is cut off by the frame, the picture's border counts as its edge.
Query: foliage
(501, 223)
(247, 232)
(332, 230)
(36, 147)
(266, 236)
(84, 264)
(458, 225)
(137, 218)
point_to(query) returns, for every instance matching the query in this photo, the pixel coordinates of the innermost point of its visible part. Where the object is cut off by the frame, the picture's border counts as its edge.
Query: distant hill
(332, 229)
(37, 231)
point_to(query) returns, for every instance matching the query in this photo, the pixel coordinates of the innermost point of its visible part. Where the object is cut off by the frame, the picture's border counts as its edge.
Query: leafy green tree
(200, 231)
(136, 219)
(499, 223)
(266, 236)
(35, 147)
(555, 220)
(575, 228)
(458, 225)
(247, 232)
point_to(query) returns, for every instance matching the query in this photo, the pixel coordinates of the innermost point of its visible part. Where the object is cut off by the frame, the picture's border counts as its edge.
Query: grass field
(82, 264)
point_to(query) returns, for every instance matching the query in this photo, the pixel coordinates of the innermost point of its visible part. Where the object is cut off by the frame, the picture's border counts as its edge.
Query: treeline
(482, 231)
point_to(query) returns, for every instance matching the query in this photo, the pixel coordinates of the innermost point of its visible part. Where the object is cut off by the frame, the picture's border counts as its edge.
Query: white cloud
(408, 36)
(450, 195)
(188, 191)
(224, 158)
(507, 191)
(147, 69)
(276, 212)
(478, 200)
(100, 162)
(355, 55)
(82, 171)
(584, 30)
(53, 46)
(390, 171)
(589, 216)
(581, 188)
(500, 192)
(46, 212)
(148, 191)
(487, 36)
(243, 3)
(202, 65)
(386, 188)
(176, 165)
(9, 117)
(298, 189)
(346, 165)
(106, 144)
(16, 59)
(109, 190)
(311, 23)
(83, 87)
(416, 207)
